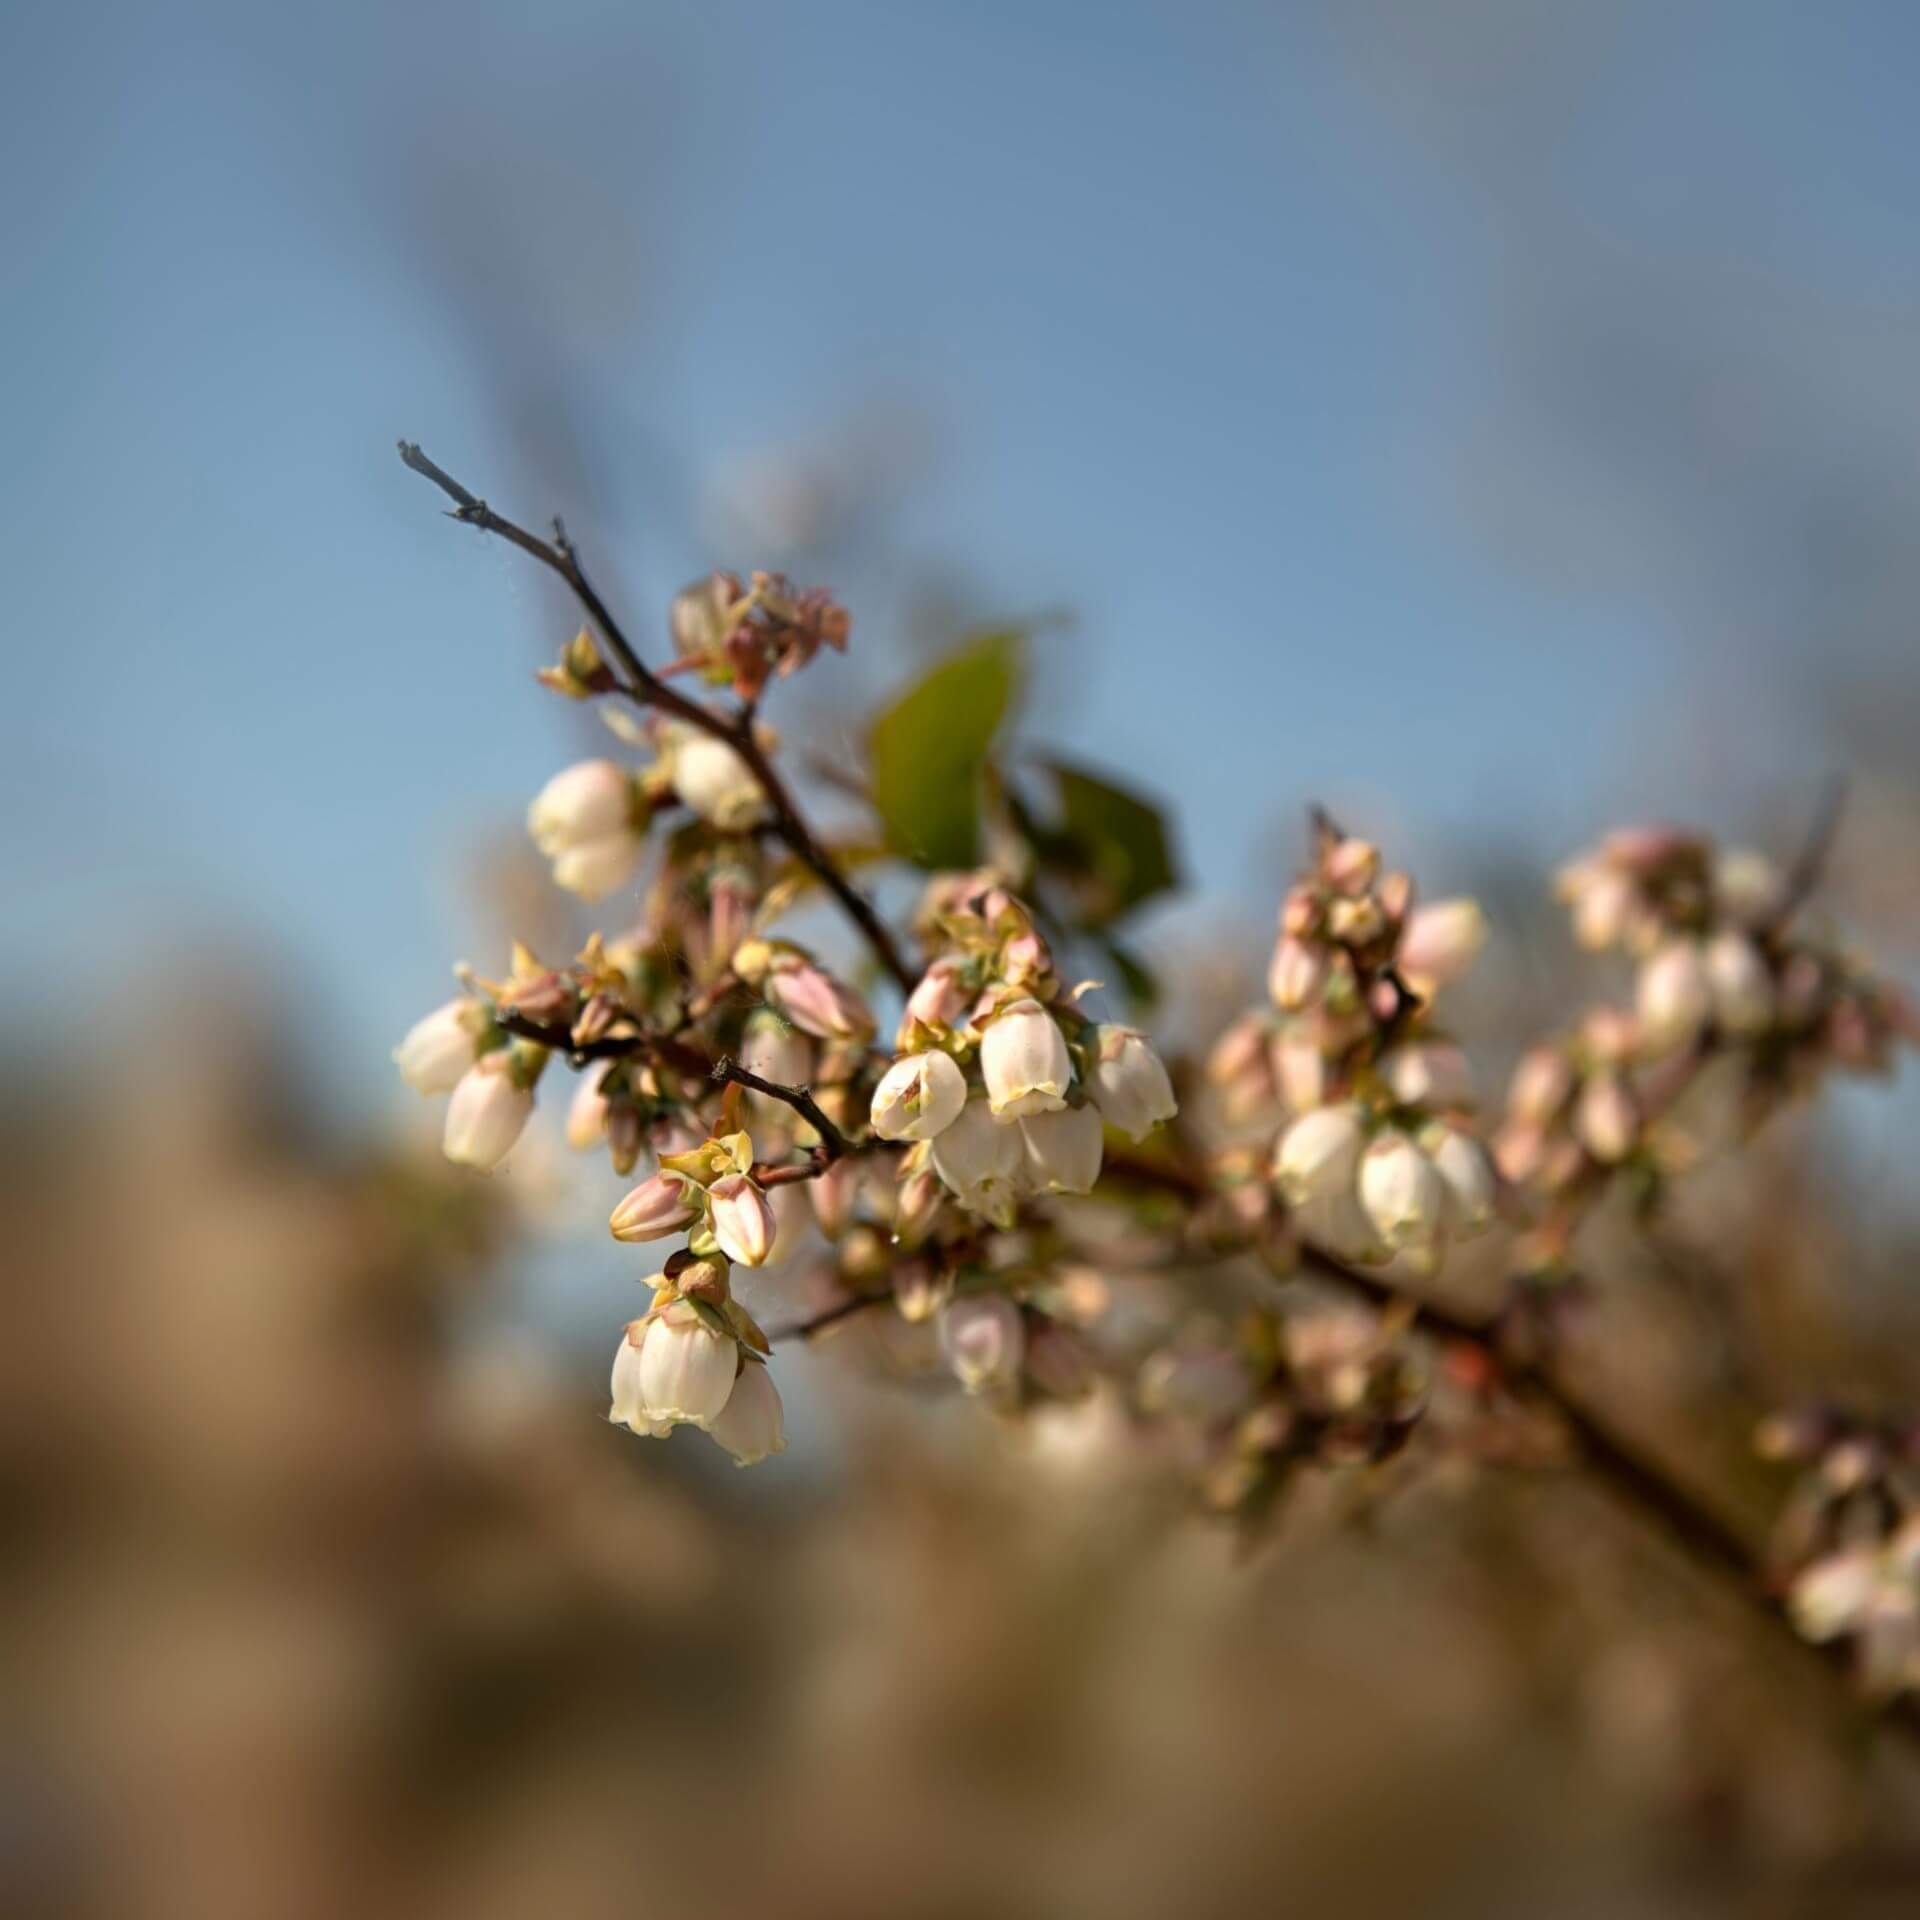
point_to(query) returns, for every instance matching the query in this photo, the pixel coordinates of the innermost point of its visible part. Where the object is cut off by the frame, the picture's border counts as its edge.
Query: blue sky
(1490, 418)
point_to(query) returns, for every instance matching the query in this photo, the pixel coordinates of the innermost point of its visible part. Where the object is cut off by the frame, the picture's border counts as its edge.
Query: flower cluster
(1379, 1158)
(1722, 970)
(1846, 1547)
(1333, 1385)
(1001, 1085)
(697, 1358)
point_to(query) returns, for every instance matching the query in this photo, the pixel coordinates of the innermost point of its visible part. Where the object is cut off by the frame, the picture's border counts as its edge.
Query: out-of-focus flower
(587, 1111)
(1063, 1149)
(1439, 943)
(488, 1113)
(918, 1097)
(1024, 1061)
(1404, 1196)
(1319, 1155)
(817, 1003)
(983, 1341)
(1542, 1084)
(1739, 983)
(1429, 1073)
(752, 1426)
(441, 1047)
(1462, 1164)
(1127, 1080)
(1298, 974)
(742, 1219)
(1607, 1118)
(712, 779)
(589, 821)
(1673, 996)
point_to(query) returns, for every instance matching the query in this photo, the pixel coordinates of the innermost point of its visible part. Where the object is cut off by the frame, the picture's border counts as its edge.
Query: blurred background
(1494, 420)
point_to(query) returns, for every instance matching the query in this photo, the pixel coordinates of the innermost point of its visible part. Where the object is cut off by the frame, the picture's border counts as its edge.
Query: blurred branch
(1810, 864)
(647, 689)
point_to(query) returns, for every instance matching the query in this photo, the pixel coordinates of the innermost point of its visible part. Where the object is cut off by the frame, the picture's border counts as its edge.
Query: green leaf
(1112, 845)
(928, 749)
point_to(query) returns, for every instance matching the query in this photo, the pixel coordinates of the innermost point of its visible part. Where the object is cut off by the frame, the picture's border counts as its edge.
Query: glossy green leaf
(927, 751)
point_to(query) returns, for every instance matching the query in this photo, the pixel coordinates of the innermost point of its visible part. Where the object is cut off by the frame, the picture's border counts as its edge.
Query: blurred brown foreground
(318, 1605)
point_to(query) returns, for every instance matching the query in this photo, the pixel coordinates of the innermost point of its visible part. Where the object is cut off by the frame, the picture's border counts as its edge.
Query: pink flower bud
(1128, 1082)
(1542, 1084)
(752, 1426)
(940, 999)
(587, 1112)
(776, 1050)
(832, 1196)
(1063, 1149)
(1607, 1120)
(1240, 1065)
(1440, 943)
(817, 1003)
(487, 1114)
(742, 1219)
(1603, 900)
(1024, 1062)
(983, 1340)
(1297, 976)
(663, 1204)
(1300, 1071)
(1025, 959)
(1351, 866)
(917, 1207)
(440, 1048)
(918, 1097)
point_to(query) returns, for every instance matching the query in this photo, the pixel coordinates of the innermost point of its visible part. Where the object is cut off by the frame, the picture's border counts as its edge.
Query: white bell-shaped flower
(487, 1114)
(918, 1097)
(1128, 1081)
(1064, 1149)
(1024, 1061)
(440, 1048)
(752, 1426)
(686, 1369)
(981, 1162)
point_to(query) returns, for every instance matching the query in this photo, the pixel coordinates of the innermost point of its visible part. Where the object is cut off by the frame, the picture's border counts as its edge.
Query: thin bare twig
(833, 1142)
(834, 1145)
(646, 688)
